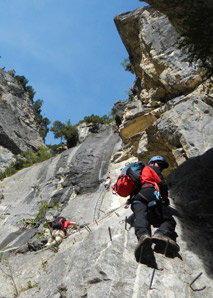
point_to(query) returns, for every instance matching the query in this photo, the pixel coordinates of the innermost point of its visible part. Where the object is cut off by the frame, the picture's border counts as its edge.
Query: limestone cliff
(169, 113)
(19, 130)
(193, 20)
(170, 109)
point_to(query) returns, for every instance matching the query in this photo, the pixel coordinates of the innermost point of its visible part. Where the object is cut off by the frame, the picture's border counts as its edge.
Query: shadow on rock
(192, 190)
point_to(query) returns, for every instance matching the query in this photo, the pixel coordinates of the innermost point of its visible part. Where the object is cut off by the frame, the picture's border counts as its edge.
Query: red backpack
(129, 180)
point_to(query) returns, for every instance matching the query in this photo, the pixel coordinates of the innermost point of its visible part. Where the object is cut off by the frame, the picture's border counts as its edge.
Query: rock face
(98, 260)
(196, 24)
(170, 109)
(169, 113)
(18, 128)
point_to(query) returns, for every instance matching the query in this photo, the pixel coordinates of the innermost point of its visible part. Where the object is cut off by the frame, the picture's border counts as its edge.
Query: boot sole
(165, 246)
(144, 253)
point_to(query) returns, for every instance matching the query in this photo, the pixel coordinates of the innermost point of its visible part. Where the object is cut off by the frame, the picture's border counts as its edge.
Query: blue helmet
(159, 159)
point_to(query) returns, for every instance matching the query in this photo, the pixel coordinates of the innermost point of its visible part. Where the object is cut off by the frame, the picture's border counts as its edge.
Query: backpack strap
(62, 221)
(135, 178)
(147, 185)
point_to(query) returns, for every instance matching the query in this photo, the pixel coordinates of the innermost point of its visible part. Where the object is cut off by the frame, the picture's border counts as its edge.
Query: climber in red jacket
(150, 207)
(59, 231)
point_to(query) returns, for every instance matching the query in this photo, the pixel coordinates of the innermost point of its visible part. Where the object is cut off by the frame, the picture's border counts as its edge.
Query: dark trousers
(158, 216)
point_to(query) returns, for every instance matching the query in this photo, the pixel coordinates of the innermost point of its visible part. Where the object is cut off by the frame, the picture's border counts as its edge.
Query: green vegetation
(67, 131)
(45, 206)
(127, 65)
(29, 286)
(23, 82)
(97, 119)
(63, 131)
(41, 214)
(26, 159)
(42, 122)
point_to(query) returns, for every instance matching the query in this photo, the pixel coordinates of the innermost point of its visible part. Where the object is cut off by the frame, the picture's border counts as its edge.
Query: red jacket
(66, 225)
(152, 175)
(149, 176)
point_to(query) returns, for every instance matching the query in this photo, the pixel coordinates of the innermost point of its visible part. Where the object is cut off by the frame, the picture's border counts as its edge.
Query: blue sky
(71, 53)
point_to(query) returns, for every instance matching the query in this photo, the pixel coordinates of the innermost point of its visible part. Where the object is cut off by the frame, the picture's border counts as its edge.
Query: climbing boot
(144, 253)
(165, 245)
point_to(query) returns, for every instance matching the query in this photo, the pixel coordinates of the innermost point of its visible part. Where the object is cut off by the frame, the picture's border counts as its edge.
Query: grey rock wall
(18, 128)
(196, 24)
(72, 177)
(170, 109)
(98, 260)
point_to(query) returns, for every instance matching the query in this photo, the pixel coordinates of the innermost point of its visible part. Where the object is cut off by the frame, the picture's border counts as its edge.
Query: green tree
(67, 131)
(44, 127)
(70, 134)
(97, 119)
(31, 92)
(37, 106)
(57, 130)
(42, 122)
(23, 82)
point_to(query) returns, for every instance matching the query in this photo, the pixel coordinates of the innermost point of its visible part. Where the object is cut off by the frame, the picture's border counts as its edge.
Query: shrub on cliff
(23, 82)
(26, 159)
(67, 131)
(127, 65)
(42, 122)
(97, 119)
